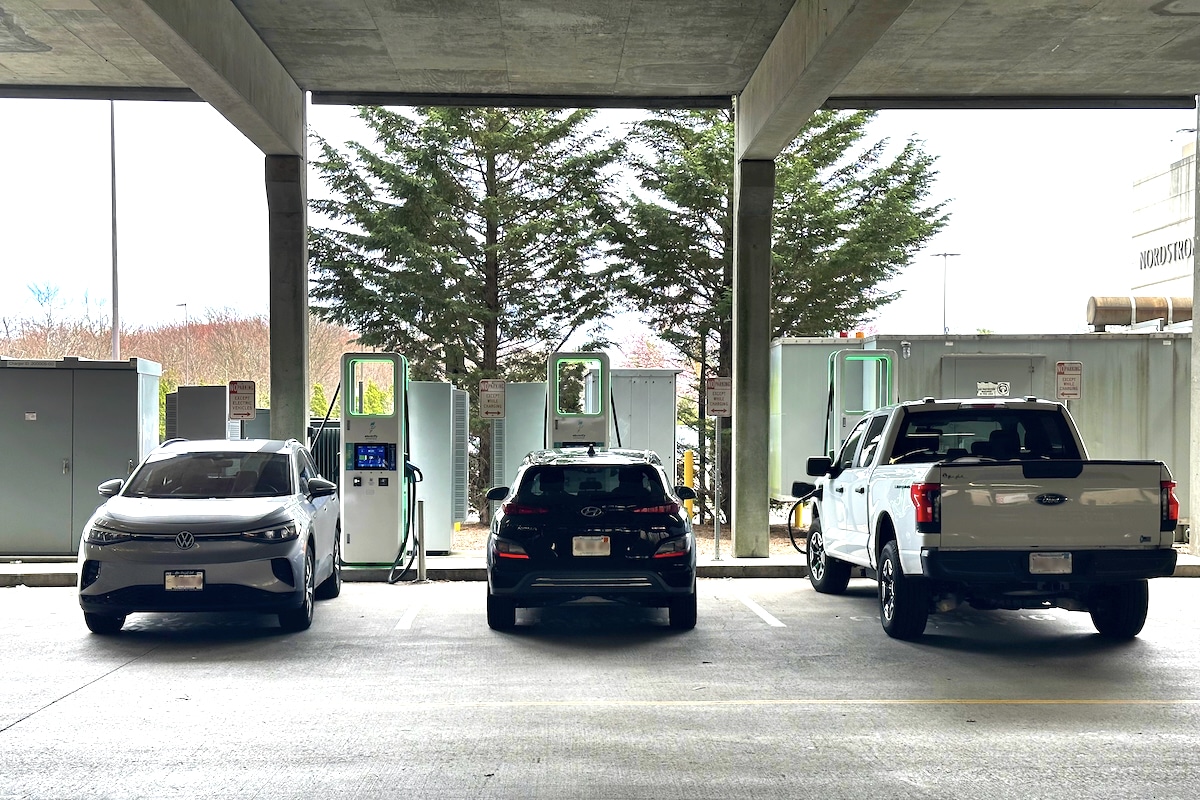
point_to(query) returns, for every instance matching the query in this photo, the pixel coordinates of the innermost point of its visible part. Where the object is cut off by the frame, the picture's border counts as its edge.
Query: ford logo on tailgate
(1050, 499)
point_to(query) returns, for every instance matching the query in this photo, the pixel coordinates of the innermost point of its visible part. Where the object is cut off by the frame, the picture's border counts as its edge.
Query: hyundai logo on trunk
(591, 511)
(1050, 499)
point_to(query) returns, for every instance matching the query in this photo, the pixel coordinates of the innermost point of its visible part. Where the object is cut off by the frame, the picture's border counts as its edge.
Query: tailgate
(1050, 505)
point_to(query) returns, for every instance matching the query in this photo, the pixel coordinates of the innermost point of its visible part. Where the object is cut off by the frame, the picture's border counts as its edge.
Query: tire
(903, 601)
(681, 612)
(1119, 611)
(331, 587)
(827, 575)
(300, 619)
(501, 612)
(104, 624)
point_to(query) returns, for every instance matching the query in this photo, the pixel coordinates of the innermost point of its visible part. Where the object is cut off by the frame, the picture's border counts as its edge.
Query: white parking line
(407, 620)
(762, 612)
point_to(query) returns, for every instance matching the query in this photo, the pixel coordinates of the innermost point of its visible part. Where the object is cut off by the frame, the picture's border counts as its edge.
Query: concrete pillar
(753, 197)
(287, 205)
(1194, 412)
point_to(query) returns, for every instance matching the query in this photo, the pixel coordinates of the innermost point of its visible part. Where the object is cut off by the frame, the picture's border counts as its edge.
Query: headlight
(276, 533)
(101, 533)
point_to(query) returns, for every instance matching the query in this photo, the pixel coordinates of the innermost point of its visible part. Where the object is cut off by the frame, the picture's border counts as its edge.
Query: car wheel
(827, 575)
(331, 587)
(681, 611)
(299, 619)
(103, 623)
(1119, 611)
(501, 612)
(903, 601)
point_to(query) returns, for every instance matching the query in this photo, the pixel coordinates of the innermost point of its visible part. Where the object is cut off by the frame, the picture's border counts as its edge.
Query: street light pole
(187, 346)
(945, 259)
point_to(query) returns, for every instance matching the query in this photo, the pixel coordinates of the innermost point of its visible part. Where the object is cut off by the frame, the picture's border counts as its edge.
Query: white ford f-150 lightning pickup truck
(993, 503)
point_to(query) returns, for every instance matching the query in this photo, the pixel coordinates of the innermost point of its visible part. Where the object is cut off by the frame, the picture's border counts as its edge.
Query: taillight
(669, 508)
(517, 508)
(672, 548)
(1169, 504)
(503, 548)
(927, 500)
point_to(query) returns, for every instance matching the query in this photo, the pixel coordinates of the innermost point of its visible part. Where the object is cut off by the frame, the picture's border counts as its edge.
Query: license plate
(184, 581)
(591, 546)
(1049, 563)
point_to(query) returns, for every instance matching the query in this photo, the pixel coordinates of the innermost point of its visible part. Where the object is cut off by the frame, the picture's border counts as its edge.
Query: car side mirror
(818, 465)
(110, 487)
(685, 493)
(320, 487)
(497, 493)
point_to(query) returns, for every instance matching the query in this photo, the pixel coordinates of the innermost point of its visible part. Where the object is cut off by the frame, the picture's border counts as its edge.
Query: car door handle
(861, 490)
(840, 489)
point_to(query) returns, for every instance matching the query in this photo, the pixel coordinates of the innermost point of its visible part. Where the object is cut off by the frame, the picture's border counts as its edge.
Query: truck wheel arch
(885, 531)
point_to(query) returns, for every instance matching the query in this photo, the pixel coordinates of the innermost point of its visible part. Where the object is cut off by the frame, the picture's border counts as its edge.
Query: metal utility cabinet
(65, 427)
(1128, 392)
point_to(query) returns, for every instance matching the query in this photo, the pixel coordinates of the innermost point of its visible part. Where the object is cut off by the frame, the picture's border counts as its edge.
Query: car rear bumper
(1012, 566)
(560, 585)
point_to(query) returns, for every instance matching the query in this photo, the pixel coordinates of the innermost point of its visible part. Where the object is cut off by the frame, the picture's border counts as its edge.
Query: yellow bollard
(689, 476)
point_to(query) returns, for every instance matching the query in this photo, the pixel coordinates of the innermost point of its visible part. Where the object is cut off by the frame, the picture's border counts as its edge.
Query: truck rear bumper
(1012, 566)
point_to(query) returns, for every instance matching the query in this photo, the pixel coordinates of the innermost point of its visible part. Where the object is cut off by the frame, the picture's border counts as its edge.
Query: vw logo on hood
(185, 540)
(591, 511)
(1050, 499)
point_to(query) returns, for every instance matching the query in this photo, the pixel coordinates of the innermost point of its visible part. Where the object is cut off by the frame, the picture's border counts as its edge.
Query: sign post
(241, 400)
(718, 399)
(491, 398)
(1068, 380)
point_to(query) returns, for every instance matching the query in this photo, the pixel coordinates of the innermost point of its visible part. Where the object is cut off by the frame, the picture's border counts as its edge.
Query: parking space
(778, 692)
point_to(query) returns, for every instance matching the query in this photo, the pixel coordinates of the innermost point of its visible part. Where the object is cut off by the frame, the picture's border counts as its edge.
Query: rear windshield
(610, 483)
(1001, 434)
(193, 475)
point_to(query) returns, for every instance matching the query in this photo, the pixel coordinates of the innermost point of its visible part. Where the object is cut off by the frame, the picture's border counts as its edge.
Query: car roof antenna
(591, 450)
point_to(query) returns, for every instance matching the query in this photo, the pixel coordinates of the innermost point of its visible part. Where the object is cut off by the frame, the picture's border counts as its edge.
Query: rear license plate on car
(1049, 563)
(591, 546)
(184, 581)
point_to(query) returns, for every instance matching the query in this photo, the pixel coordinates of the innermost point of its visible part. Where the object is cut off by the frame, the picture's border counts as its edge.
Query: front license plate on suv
(1049, 563)
(591, 546)
(184, 581)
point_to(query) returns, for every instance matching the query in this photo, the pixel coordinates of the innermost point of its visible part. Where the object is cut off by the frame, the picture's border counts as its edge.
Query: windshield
(607, 483)
(212, 474)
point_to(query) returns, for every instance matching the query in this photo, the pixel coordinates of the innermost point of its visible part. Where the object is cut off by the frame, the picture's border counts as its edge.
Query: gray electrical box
(520, 432)
(1128, 392)
(67, 426)
(644, 412)
(438, 420)
(202, 412)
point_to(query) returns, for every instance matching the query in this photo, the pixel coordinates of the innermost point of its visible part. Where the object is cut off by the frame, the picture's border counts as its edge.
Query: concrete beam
(816, 47)
(212, 48)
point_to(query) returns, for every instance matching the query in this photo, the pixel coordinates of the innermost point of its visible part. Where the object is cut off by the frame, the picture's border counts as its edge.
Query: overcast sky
(1040, 211)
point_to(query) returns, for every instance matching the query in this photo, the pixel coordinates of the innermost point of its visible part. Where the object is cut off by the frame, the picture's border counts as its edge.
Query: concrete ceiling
(630, 52)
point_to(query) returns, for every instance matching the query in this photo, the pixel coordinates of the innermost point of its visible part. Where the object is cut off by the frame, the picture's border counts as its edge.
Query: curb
(14, 575)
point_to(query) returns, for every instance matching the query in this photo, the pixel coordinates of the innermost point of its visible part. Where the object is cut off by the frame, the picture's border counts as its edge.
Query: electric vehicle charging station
(860, 381)
(578, 407)
(374, 479)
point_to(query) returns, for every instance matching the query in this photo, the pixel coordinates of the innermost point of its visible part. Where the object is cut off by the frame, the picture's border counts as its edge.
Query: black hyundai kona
(591, 523)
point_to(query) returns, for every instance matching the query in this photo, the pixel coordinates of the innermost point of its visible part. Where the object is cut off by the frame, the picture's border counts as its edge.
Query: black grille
(217, 597)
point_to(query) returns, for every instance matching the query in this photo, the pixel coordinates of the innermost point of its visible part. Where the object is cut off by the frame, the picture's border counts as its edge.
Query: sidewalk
(34, 571)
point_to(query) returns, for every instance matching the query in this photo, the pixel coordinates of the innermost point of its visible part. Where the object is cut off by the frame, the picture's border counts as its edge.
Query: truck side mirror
(818, 465)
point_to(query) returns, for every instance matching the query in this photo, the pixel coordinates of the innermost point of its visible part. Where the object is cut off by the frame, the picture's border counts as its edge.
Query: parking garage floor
(403, 690)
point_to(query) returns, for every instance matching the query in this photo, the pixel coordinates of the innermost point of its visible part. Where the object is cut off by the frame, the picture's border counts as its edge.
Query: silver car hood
(205, 515)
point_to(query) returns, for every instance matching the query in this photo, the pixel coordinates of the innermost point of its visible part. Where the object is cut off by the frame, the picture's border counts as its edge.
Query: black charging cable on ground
(792, 515)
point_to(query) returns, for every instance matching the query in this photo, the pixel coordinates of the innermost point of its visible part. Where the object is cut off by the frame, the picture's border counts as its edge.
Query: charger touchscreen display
(374, 456)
